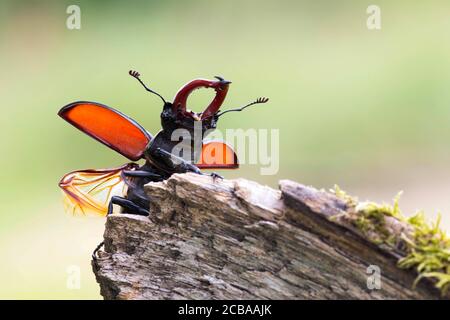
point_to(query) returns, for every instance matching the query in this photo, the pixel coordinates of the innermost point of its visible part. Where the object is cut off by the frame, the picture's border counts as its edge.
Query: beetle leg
(126, 204)
(178, 164)
(141, 173)
(181, 165)
(94, 253)
(129, 205)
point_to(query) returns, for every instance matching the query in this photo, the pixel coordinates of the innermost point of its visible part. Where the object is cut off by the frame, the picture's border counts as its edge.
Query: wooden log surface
(237, 239)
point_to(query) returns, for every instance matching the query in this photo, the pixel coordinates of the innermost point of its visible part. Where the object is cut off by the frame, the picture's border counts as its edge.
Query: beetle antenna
(136, 75)
(257, 101)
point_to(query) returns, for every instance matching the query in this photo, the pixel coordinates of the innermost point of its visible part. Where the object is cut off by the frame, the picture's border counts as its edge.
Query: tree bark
(237, 239)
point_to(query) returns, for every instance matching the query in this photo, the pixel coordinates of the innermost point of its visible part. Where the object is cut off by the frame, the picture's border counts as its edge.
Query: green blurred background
(368, 110)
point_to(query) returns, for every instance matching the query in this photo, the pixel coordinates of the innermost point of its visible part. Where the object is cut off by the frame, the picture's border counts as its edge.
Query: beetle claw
(215, 176)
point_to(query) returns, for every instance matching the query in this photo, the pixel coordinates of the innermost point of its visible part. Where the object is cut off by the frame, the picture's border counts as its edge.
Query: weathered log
(237, 239)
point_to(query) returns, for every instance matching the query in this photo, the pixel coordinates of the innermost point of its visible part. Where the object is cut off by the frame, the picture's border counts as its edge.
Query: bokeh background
(366, 109)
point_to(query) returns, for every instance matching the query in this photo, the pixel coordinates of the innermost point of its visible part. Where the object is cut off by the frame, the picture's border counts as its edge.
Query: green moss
(426, 246)
(429, 252)
(351, 202)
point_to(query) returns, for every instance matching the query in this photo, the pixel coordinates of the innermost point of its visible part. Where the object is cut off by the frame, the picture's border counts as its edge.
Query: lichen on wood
(237, 239)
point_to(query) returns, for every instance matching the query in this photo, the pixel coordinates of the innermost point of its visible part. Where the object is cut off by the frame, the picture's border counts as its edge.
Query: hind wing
(88, 192)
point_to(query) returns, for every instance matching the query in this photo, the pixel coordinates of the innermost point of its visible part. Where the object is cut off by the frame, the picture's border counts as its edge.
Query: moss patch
(425, 246)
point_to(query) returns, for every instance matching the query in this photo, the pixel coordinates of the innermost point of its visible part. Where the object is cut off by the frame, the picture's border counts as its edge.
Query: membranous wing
(217, 155)
(88, 192)
(109, 126)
